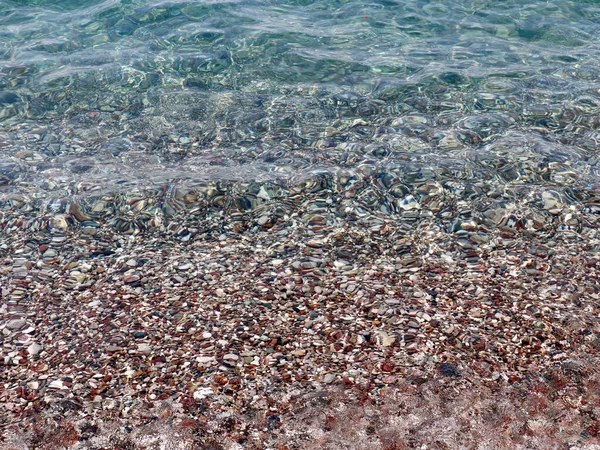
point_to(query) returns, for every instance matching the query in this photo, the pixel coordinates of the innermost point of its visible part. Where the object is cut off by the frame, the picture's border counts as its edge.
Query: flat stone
(78, 276)
(144, 348)
(231, 356)
(206, 335)
(409, 337)
(140, 334)
(340, 263)
(19, 262)
(34, 348)
(329, 378)
(202, 393)
(130, 279)
(132, 263)
(57, 384)
(386, 339)
(89, 231)
(449, 370)
(113, 348)
(16, 324)
(205, 359)
(313, 243)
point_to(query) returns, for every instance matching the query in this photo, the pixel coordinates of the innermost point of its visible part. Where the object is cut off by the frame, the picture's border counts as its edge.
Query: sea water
(113, 96)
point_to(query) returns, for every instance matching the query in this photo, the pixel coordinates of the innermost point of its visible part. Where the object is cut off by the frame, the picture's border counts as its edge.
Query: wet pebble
(449, 370)
(144, 348)
(329, 378)
(34, 349)
(16, 324)
(131, 263)
(130, 279)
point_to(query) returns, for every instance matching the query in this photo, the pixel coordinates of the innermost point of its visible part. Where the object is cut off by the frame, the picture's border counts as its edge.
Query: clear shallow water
(111, 96)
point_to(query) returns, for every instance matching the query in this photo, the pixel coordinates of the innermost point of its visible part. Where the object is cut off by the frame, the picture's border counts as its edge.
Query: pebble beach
(239, 318)
(287, 224)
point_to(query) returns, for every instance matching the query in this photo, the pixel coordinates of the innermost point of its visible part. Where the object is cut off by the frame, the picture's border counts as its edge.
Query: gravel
(239, 321)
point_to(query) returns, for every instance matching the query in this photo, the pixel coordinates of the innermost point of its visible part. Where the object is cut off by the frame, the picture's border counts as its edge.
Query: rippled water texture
(497, 99)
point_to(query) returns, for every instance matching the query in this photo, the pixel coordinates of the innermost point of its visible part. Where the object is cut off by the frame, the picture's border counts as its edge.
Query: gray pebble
(144, 348)
(329, 378)
(34, 349)
(16, 324)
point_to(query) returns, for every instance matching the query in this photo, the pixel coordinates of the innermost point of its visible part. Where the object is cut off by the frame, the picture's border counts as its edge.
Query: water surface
(110, 96)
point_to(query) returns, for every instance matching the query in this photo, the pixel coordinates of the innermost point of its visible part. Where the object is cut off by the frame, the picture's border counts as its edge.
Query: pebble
(202, 393)
(263, 220)
(205, 359)
(144, 348)
(230, 359)
(56, 384)
(34, 349)
(130, 279)
(16, 324)
(449, 370)
(113, 348)
(386, 339)
(132, 263)
(329, 378)
(19, 262)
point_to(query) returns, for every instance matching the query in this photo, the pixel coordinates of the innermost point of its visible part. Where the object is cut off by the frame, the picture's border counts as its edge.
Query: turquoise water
(109, 96)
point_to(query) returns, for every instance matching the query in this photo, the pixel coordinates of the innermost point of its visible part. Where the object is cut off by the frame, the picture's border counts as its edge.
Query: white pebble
(144, 348)
(34, 348)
